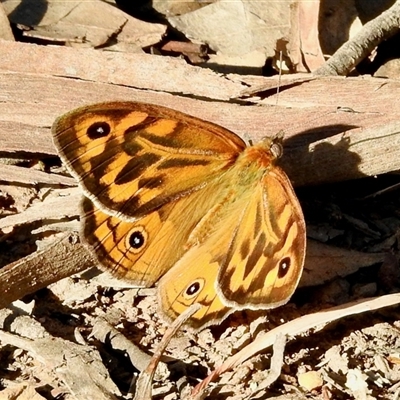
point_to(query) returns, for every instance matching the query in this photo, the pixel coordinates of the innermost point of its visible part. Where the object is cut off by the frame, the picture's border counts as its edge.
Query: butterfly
(172, 200)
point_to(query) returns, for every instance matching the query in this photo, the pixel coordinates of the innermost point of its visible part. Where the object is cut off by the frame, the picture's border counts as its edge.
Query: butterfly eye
(284, 266)
(98, 130)
(194, 288)
(137, 239)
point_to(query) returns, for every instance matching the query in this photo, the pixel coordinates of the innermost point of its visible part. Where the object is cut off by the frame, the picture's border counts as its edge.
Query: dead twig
(278, 349)
(104, 332)
(143, 384)
(299, 325)
(352, 52)
(38, 270)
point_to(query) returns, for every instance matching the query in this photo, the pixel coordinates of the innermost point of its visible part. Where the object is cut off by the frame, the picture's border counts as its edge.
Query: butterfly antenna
(279, 78)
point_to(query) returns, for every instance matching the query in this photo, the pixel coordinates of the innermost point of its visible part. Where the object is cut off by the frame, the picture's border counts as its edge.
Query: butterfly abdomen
(207, 224)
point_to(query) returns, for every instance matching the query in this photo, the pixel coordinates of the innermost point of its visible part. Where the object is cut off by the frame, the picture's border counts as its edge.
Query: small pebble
(310, 380)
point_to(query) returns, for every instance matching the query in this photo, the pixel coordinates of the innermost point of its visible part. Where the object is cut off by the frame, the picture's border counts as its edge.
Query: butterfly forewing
(265, 261)
(130, 158)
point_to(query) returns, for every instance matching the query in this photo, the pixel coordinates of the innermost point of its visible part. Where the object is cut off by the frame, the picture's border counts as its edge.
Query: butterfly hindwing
(143, 251)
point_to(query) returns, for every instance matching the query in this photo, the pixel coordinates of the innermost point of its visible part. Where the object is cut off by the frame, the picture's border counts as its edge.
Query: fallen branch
(38, 270)
(355, 50)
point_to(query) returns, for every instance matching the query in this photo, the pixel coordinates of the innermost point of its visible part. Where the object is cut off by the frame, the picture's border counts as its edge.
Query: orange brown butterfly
(172, 200)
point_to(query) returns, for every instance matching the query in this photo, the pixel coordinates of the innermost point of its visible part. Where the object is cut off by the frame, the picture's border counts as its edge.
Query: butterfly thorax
(259, 157)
